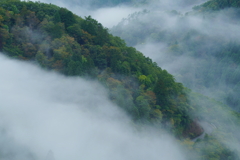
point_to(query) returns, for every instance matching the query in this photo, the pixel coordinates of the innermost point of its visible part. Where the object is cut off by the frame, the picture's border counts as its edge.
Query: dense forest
(59, 40)
(56, 39)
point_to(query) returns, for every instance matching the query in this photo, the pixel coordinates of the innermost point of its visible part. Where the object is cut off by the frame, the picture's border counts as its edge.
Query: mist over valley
(73, 86)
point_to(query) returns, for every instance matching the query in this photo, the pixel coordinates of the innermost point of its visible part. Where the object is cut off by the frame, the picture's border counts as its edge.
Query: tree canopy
(56, 39)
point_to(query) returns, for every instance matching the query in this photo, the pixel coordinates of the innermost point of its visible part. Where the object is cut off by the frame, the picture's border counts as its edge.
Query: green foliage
(59, 40)
(76, 32)
(66, 17)
(224, 128)
(201, 48)
(56, 18)
(12, 51)
(192, 43)
(96, 29)
(217, 5)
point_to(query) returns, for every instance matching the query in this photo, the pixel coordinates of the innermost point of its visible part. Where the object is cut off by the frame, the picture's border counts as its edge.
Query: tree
(143, 107)
(67, 17)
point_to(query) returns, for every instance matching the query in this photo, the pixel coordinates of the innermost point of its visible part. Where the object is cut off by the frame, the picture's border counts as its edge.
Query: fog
(216, 29)
(221, 28)
(72, 117)
(179, 5)
(195, 72)
(107, 16)
(76, 119)
(219, 122)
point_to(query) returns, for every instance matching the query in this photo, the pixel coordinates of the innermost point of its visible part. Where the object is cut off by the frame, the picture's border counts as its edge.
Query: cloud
(110, 16)
(205, 34)
(179, 5)
(107, 16)
(67, 118)
(204, 72)
(73, 117)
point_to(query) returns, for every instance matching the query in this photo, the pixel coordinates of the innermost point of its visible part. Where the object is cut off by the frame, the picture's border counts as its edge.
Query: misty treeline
(59, 40)
(108, 3)
(217, 5)
(56, 39)
(201, 48)
(206, 37)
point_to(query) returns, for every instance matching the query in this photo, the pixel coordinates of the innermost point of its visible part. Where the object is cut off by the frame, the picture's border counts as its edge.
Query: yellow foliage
(188, 143)
(142, 78)
(158, 113)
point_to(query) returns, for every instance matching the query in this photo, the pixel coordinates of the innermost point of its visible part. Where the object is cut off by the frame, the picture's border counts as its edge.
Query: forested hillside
(217, 5)
(56, 39)
(201, 49)
(206, 42)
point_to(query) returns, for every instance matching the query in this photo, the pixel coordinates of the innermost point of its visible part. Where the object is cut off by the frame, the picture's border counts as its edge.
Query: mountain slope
(58, 40)
(218, 5)
(204, 45)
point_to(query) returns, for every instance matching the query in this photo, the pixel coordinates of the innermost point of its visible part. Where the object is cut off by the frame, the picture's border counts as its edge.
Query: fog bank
(107, 16)
(73, 117)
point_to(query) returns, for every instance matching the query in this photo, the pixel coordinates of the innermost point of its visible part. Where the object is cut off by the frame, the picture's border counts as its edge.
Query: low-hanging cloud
(72, 117)
(179, 5)
(218, 29)
(155, 32)
(74, 125)
(107, 16)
